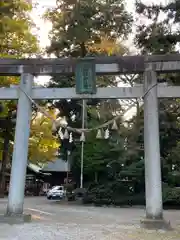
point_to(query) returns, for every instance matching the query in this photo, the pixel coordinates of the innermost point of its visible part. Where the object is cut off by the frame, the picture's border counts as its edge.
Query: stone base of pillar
(15, 219)
(156, 224)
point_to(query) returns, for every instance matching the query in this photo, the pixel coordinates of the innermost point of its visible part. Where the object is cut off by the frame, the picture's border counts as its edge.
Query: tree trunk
(96, 177)
(4, 162)
(83, 49)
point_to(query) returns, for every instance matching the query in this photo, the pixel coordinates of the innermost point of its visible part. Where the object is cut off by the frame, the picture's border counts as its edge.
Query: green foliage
(82, 28)
(120, 194)
(78, 24)
(155, 37)
(16, 39)
(99, 156)
(43, 145)
(117, 193)
(171, 196)
(159, 35)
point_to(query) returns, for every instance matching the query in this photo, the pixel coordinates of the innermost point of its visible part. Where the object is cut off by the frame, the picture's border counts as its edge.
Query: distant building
(59, 170)
(33, 176)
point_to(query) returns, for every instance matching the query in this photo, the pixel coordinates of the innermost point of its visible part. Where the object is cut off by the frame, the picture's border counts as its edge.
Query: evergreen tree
(77, 25)
(88, 28)
(158, 33)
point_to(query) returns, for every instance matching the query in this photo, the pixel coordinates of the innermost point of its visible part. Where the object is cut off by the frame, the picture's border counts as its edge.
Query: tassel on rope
(82, 138)
(106, 135)
(70, 138)
(99, 134)
(66, 134)
(60, 133)
(114, 126)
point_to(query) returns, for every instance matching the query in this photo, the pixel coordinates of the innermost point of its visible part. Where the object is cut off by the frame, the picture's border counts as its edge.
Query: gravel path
(62, 222)
(58, 231)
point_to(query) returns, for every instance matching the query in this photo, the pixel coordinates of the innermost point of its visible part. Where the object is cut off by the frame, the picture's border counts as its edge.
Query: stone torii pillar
(20, 153)
(153, 181)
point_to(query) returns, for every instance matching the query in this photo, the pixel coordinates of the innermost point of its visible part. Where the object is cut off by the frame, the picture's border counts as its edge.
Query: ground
(60, 221)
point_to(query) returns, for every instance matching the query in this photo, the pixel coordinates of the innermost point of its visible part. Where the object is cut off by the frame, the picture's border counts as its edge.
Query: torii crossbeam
(149, 66)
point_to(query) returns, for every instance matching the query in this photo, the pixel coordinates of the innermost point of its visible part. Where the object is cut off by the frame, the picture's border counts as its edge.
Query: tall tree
(78, 24)
(80, 28)
(87, 28)
(158, 33)
(16, 41)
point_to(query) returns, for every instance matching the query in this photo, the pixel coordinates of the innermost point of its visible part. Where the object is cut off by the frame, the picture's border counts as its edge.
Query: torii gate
(150, 90)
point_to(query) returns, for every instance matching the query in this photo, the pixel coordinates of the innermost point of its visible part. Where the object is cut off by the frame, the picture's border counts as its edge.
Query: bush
(111, 194)
(171, 196)
(87, 199)
(138, 199)
(80, 192)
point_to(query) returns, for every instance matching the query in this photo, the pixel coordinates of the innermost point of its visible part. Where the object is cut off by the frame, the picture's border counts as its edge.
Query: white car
(56, 192)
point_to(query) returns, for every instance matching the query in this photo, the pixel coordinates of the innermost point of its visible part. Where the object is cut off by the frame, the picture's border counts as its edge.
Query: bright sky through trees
(45, 26)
